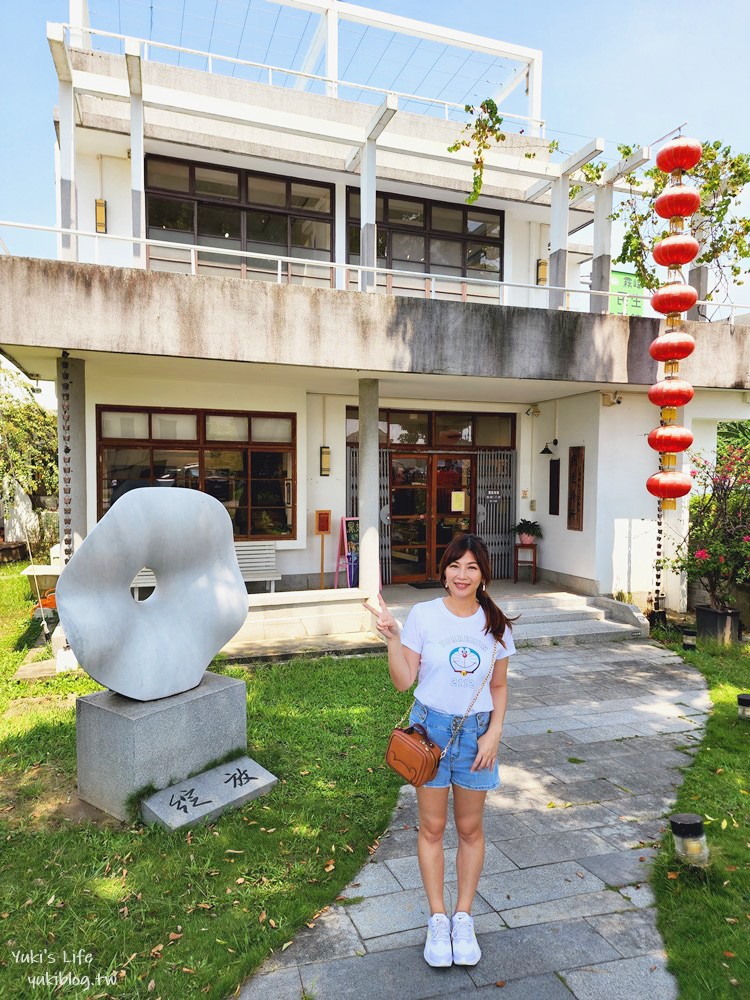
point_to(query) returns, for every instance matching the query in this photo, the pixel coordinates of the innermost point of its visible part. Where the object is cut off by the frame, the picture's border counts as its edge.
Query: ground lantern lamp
(743, 706)
(689, 839)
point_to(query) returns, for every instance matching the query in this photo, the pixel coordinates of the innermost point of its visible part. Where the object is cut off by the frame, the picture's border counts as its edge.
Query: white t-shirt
(454, 656)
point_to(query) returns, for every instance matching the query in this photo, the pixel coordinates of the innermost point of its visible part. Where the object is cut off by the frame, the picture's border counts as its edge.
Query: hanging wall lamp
(546, 450)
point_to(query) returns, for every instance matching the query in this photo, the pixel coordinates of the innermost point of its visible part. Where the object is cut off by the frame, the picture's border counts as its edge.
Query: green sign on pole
(623, 282)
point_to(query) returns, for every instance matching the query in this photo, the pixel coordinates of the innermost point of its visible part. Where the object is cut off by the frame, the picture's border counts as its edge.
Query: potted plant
(716, 551)
(528, 531)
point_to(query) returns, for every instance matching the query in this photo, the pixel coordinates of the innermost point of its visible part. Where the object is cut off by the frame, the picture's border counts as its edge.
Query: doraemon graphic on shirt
(464, 660)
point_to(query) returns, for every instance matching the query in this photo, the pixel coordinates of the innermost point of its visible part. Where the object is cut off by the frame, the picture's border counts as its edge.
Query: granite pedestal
(125, 745)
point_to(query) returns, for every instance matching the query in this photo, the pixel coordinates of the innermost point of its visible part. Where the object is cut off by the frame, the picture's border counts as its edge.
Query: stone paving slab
(578, 817)
(629, 979)
(621, 867)
(399, 911)
(625, 836)
(375, 879)
(286, 984)
(534, 885)
(333, 936)
(483, 923)
(594, 735)
(406, 870)
(390, 974)
(545, 849)
(643, 807)
(529, 988)
(592, 903)
(632, 933)
(595, 790)
(530, 951)
(641, 896)
(502, 826)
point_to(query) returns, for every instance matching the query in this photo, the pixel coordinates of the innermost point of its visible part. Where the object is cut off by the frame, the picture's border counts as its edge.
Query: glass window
(225, 478)
(219, 183)
(271, 493)
(170, 213)
(409, 472)
(445, 256)
(483, 260)
(483, 224)
(453, 429)
(277, 429)
(494, 430)
(224, 427)
(311, 237)
(408, 428)
(174, 426)
(176, 468)
(312, 197)
(266, 231)
(124, 469)
(406, 213)
(381, 242)
(171, 176)
(125, 424)
(355, 206)
(352, 426)
(407, 252)
(223, 224)
(450, 220)
(266, 191)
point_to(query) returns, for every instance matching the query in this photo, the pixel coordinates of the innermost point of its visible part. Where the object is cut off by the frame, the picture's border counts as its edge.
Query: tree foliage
(478, 136)
(28, 438)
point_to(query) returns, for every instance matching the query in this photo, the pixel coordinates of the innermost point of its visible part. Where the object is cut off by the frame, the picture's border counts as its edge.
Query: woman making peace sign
(447, 646)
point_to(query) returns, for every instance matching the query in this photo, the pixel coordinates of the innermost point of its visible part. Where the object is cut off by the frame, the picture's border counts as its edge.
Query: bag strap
(468, 710)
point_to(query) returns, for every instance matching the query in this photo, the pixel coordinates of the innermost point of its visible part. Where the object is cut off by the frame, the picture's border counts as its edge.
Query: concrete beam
(133, 63)
(56, 42)
(614, 173)
(377, 125)
(567, 167)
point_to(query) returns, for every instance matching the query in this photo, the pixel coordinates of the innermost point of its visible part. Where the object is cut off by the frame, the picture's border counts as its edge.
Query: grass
(704, 916)
(194, 912)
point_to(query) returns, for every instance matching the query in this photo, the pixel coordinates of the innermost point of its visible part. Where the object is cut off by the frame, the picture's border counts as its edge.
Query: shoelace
(462, 930)
(440, 931)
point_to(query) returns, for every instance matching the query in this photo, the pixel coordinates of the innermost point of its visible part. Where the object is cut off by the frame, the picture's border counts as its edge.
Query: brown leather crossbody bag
(413, 755)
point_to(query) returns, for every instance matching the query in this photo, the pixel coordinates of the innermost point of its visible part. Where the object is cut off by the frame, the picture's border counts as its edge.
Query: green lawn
(704, 916)
(193, 912)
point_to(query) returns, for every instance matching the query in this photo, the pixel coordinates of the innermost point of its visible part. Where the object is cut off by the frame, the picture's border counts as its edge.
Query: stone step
(535, 616)
(571, 633)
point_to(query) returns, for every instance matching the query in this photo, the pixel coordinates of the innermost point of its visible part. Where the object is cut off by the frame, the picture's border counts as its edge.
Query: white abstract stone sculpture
(161, 646)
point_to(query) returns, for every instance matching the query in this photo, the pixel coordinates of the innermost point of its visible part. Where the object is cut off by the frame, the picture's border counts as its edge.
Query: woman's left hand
(487, 747)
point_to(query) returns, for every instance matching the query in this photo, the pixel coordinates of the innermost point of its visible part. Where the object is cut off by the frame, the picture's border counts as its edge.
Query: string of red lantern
(675, 297)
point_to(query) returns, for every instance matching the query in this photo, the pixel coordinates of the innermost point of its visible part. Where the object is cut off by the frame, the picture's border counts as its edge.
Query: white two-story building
(270, 287)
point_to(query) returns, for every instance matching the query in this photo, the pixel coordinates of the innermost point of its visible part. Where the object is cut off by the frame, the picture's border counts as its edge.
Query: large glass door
(431, 501)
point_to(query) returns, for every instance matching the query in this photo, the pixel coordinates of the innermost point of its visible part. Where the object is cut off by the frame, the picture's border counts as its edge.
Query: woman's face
(463, 577)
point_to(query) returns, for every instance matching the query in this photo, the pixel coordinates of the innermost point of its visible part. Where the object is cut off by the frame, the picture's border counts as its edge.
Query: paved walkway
(563, 909)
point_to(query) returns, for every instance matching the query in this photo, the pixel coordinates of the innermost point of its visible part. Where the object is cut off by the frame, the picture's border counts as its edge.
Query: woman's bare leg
(468, 809)
(433, 813)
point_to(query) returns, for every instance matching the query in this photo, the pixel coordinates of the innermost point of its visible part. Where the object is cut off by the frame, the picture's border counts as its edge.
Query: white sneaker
(466, 950)
(437, 949)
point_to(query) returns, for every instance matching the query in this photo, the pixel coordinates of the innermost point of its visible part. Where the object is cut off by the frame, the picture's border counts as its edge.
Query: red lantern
(676, 250)
(671, 392)
(671, 438)
(672, 347)
(677, 200)
(679, 154)
(674, 298)
(669, 485)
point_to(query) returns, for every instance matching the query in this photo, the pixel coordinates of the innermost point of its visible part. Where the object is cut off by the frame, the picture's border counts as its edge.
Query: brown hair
(497, 620)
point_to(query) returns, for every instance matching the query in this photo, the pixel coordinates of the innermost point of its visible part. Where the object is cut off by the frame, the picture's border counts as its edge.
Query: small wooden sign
(322, 522)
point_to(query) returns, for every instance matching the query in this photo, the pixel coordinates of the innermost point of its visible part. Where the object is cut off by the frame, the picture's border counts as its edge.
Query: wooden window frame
(200, 445)
(576, 480)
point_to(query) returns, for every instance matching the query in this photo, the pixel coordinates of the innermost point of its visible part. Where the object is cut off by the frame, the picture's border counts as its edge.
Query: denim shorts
(455, 767)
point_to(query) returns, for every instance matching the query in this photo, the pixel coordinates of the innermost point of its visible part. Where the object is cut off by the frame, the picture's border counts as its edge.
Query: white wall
(105, 177)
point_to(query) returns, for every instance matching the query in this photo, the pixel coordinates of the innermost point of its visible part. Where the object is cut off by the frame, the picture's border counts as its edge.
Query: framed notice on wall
(575, 488)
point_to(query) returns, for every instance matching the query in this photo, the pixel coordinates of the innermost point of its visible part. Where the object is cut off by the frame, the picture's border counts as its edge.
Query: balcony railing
(197, 259)
(279, 76)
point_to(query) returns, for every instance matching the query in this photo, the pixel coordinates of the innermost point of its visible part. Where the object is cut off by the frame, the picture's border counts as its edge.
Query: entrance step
(572, 632)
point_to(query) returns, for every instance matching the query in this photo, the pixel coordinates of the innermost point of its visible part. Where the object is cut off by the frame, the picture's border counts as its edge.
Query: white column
(137, 179)
(340, 232)
(332, 51)
(68, 193)
(78, 19)
(368, 238)
(369, 489)
(558, 238)
(534, 91)
(602, 263)
(71, 449)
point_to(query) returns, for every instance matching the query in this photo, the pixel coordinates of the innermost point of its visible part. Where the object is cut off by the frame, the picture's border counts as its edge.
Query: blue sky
(628, 72)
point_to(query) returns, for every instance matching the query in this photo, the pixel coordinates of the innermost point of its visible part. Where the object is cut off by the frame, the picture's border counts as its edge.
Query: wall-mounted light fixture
(611, 398)
(101, 215)
(325, 460)
(541, 271)
(533, 411)
(546, 450)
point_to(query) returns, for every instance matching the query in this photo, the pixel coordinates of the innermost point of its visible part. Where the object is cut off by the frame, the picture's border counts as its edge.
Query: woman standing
(447, 645)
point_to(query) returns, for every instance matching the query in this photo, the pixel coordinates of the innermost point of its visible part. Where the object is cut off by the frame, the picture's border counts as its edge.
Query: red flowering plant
(716, 550)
